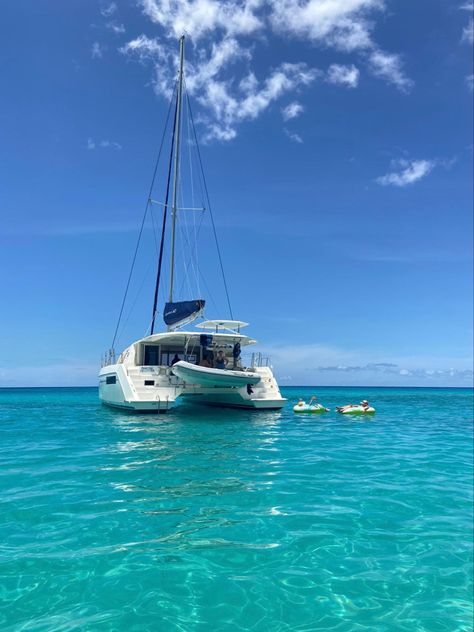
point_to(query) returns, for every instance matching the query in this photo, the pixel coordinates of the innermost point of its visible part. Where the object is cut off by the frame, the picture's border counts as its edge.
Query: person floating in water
(364, 403)
(221, 360)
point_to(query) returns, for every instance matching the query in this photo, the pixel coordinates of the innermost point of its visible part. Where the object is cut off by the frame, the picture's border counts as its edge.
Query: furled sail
(182, 312)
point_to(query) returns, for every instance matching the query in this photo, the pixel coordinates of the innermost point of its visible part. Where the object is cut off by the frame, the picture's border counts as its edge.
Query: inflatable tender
(355, 410)
(303, 407)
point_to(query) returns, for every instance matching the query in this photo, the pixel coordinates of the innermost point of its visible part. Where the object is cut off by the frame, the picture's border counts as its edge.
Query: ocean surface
(213, 520)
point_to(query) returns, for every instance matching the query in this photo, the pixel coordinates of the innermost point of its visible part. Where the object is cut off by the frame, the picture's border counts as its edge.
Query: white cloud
(470, 82)
(408, 172)
(225, 103)
(343, 24)
(145, 48)
(292, 110)
(328, 365)
(197, 18)
(118, 29)
(97, 50)
(389, 67)
(220, 72)
(103, 144)
(230, 109)
(109, 10)
(296, 138)
(468, 32)
(343, 75)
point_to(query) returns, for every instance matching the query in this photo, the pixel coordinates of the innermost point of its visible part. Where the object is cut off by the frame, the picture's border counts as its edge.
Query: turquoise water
(233, 520)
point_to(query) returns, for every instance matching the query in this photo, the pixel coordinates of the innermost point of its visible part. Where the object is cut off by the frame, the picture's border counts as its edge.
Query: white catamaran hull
(126, 389)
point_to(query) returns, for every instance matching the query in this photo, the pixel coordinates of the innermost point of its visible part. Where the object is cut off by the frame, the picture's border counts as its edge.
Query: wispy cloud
(225, 104)
(103, 144)
(296, 138)
(468, 31)
(343, 75)
(326, 364)
(118, 29)
(408, 172)
(221, 75)
(292, 110)
(97, 50)
(389, 67)
(341, 24)
(388, 368)
(470, 82)
(109, 9)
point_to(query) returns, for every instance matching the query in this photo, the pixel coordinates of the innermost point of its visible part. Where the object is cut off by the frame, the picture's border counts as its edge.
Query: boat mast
(174, 204)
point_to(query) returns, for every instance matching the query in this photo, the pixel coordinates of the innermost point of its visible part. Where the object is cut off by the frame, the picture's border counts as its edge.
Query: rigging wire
(134, 302)
(163, 226)
(144, 217)
(152, 215)
(163, 229)
(209, 206)
(196, 251)
(189, 263)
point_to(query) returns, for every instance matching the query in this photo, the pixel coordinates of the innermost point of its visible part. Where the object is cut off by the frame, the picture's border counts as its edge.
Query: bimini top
(229, 325)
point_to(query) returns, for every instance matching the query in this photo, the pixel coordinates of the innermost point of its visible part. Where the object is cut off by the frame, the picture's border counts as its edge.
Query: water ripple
(211, 520)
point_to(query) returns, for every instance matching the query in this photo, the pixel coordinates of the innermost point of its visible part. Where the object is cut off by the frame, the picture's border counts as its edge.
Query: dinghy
(193, 374)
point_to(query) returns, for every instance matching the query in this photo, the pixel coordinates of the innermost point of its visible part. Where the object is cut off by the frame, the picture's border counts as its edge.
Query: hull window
(149, 382)
(111, 379)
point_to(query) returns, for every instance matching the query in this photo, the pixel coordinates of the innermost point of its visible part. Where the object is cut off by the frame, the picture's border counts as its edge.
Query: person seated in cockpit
(221, 361)
(206, 362)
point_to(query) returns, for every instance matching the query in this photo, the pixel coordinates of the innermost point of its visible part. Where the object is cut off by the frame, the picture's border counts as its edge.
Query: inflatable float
(355, 410)
(303, 407)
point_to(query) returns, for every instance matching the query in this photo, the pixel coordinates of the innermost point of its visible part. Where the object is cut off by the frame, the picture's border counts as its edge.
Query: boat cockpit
(219, 349)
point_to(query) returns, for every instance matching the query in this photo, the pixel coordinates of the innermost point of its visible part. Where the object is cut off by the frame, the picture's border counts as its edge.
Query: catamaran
(202, 365)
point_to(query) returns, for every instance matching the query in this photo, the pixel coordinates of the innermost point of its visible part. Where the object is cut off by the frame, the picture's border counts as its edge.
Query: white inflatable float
(355, 410)
(303, 407)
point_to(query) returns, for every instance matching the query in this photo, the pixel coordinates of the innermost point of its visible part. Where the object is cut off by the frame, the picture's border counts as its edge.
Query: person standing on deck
(236, 354)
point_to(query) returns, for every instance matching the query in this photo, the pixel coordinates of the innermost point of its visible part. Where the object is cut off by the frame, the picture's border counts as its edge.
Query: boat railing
(259, 360)
(108, 358)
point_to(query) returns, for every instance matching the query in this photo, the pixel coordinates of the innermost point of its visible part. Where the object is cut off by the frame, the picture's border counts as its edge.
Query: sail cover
(183, 311)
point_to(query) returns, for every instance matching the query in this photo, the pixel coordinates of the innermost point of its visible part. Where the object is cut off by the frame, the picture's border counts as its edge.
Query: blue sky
(338, 147)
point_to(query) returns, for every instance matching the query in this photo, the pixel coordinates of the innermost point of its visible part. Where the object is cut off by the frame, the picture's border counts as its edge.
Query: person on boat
(175, 359)
(205, 362)
(221, 360)
(365, 404)
(236, 354)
